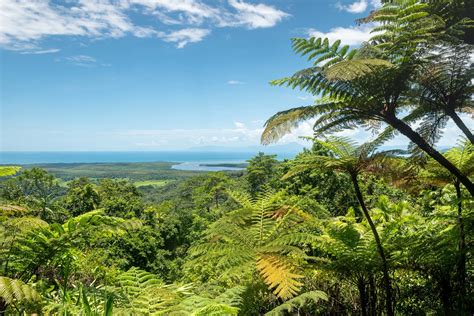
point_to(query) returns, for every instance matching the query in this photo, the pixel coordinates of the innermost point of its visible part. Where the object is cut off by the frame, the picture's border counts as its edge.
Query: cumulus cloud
(353, 35)
(25, 23)
(254, 15)
(355, 7)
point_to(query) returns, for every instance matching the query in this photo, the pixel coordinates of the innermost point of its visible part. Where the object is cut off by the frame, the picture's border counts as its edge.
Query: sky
(151, 75)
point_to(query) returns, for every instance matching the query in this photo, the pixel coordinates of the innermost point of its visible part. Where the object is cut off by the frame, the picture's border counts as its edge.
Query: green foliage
(16, 291)
(260, 172)
(226, 244)
(36, 188)
(372, 86)
(13, 291)
(144, 293)
(6, 171)
(226, 303)
(120, 198)
(295, 304)
(81, 197)
(462, 156)
(260, 237)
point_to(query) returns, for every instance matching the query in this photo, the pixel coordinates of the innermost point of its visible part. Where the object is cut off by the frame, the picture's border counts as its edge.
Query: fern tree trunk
(461, 264)
(406, 130)
(386, 277)
(457, 120)
(3, 306)
(372, 297)
(361, 285)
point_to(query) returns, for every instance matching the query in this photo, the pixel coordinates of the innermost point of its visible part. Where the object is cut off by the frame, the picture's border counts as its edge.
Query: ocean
(190, 157)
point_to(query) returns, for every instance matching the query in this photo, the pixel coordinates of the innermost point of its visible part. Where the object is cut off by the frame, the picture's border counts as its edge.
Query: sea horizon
(178, 156)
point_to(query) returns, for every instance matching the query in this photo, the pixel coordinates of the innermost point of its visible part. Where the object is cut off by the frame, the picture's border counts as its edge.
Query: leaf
(12, 290)
(6, 171)
(294, 304)
(279, 275)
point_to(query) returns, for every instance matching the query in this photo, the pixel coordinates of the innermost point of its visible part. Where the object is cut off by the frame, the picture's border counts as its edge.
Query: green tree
(120, 198)
(37, 188)
(259, 240)
(260, 172)
(349, 158)
(462, 157)
(367, 87)
(81, 197)
(445, 90)
(210, 191)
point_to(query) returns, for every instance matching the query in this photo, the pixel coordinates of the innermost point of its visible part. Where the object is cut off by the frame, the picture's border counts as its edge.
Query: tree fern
(375, 96)
(15, 291)
(143, 293)
(295, 304)
(253, 239)
(227, 303)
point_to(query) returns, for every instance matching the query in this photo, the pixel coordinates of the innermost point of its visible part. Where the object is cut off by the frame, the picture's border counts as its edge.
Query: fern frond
(285, 121)
(298, 302)
(12, 290)
(355, 68)
(279, 275)
(147, 294)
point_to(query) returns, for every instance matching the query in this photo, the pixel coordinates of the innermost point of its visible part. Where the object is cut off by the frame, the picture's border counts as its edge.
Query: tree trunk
(455, 117)
(362, 295)
(386, 276)
(406, 130)
(461, 265)
(3, 307)
(446, 294)
(372, 296)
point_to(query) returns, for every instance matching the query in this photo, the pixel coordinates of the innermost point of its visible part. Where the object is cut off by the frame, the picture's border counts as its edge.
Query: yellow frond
(279, 275)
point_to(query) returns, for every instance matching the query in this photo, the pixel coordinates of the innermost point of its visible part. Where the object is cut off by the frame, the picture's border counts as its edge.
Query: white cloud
(255, 15)
(235, 82)
(355, 7)
(40, 52)
(193, 12)
(185, 36)
(241, 134)
(25, 23)
(239, 125)
(353, 35)
(376, 3)
(82, 61)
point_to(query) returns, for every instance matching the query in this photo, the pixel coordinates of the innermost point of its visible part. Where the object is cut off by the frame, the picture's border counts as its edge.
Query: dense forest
(344, 228)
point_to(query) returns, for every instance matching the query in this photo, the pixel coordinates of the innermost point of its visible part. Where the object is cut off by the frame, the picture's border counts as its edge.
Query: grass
(154, 183)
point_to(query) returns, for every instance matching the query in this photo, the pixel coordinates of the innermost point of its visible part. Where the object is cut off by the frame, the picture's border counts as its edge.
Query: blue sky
(156, 74)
